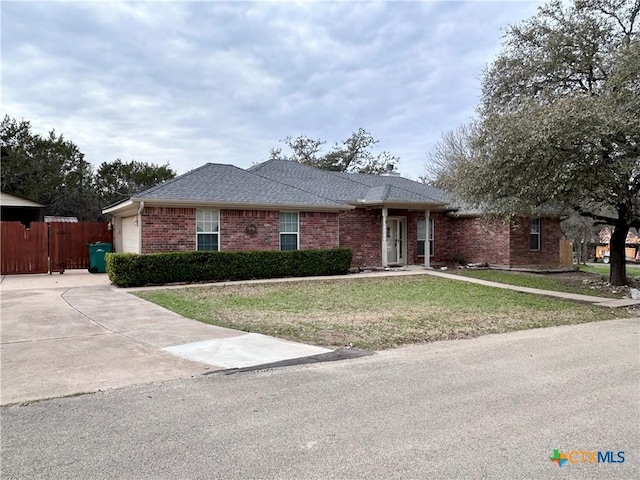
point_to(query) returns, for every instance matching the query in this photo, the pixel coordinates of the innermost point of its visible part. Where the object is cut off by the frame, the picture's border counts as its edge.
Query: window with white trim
(534, 234)
(207, 229)
(289, 231)
(422, 235)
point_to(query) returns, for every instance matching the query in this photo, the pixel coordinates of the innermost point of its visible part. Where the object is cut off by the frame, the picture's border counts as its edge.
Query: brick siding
(476, 240)
(360, 230)
(549, 253)
(168, 229)
(245, 230)
(174, 229)
(319, 230)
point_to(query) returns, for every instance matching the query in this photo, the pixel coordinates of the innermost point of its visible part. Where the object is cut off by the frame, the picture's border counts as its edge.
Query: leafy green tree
(353, 155)
(558, 121)
(117, 180)
(50, 170)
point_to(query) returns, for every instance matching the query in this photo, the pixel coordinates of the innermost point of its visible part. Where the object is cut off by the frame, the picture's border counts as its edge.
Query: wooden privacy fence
(48, 247)
(23, 250)
(566, 253)
(68, 243)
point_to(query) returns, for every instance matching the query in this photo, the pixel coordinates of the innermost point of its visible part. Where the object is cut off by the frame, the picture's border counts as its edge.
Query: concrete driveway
(73, 333)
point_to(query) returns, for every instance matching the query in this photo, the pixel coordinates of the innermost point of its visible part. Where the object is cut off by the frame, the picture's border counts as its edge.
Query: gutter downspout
(140, 210)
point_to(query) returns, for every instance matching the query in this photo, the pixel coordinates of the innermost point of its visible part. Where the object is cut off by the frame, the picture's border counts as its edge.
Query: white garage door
(130, 235)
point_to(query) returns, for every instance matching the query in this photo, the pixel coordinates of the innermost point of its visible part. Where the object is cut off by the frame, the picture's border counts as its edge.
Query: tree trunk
(618, 266)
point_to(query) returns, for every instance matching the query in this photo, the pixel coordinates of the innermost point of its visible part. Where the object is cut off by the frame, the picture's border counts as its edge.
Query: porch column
(384, 236)
(427, 247)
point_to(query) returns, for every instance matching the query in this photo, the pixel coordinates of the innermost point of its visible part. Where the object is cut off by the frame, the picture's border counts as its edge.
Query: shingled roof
(229, 185)
(286, 184)
(399, 183)
(352, 188)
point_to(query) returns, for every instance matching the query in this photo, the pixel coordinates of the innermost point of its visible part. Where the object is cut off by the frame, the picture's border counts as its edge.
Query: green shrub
(134, 270)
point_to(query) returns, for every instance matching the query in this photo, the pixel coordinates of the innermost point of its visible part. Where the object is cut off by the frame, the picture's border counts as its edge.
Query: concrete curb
(334, 356)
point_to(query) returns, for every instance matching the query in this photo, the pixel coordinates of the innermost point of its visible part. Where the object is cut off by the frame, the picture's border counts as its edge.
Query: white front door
(395, 240)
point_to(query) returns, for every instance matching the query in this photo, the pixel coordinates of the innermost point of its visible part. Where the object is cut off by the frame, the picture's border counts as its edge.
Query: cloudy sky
(210, 81)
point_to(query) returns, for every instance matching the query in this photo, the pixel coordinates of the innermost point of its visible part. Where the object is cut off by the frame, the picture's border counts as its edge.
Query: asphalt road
(491, 407)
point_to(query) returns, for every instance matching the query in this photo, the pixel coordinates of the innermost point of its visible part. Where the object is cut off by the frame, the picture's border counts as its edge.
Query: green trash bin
(96, 256)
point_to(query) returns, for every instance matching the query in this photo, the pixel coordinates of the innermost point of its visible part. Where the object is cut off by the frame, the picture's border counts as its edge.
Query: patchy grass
(373, 313)
(633, 270)
(596, 269)
(571, 282)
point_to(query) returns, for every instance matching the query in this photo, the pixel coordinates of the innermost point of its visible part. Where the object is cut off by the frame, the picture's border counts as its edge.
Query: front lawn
(373, 313)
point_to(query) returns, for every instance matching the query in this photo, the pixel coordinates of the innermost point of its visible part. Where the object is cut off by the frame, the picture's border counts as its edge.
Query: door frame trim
(401, 254)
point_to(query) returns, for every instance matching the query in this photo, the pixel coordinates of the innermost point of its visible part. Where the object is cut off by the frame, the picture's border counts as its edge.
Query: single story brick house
(285, 205)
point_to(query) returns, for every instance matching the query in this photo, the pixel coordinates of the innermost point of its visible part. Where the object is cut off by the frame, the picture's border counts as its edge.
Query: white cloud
(192, 82)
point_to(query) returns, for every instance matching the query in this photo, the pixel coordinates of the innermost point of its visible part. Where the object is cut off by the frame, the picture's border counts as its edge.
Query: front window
(422, 235)
(288, 231)
(534, 234)
(207, 229)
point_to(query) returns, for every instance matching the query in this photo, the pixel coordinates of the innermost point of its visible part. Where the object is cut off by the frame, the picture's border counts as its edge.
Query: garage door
(130, 235)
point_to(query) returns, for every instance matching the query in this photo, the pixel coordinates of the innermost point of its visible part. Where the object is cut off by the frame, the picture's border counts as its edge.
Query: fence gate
(68, 243)
(48, 247)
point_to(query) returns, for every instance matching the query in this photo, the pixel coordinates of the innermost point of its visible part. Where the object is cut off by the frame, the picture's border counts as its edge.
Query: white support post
(427, 246)
(384, 236)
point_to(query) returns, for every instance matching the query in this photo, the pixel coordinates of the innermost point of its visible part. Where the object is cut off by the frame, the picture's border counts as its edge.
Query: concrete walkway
(600, 301)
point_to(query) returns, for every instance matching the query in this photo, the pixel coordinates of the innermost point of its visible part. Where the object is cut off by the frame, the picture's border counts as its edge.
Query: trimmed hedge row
(134, 270)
